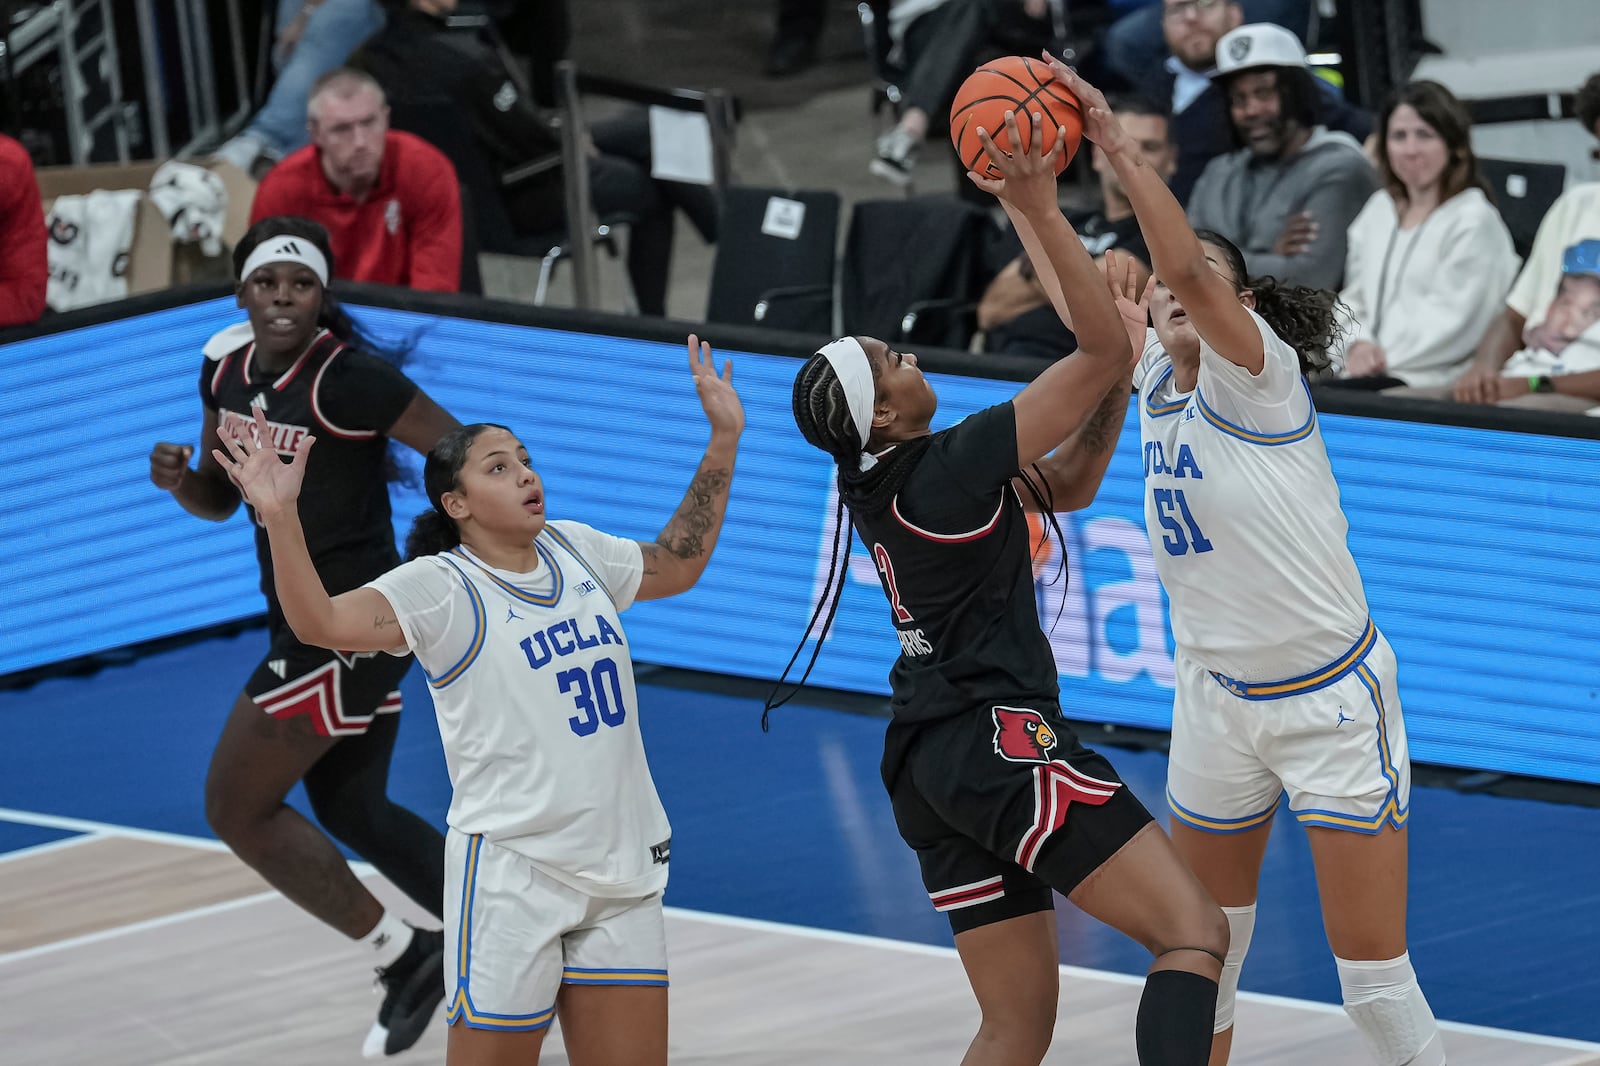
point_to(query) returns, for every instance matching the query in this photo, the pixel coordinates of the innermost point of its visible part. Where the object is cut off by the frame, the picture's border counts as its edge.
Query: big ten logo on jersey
(1108, 622)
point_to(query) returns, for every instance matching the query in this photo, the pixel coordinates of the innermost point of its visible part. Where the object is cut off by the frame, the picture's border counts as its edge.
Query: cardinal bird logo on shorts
(1022, 735)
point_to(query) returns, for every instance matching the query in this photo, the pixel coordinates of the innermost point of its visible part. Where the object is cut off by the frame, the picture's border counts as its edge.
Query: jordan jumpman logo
(1343, 718)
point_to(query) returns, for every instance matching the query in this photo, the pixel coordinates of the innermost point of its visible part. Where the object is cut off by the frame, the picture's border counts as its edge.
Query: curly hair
(1304, 318)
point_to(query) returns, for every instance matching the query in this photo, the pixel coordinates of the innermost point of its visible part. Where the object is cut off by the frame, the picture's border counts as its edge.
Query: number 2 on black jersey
(880, 555)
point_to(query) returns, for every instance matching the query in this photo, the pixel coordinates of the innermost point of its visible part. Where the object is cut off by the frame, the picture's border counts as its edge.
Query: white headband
(849, 361)
(286, 249)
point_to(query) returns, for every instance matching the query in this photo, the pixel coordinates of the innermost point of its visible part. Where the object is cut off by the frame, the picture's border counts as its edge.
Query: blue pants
(336, 29)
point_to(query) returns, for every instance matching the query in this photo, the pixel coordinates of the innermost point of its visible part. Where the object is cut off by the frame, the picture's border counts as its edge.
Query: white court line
(50, 845)
(363, 869)
(84, 825)
(1103, 976)
(138, 927)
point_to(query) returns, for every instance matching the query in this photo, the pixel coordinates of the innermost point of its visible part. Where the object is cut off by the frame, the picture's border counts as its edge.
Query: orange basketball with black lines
(1013, 83)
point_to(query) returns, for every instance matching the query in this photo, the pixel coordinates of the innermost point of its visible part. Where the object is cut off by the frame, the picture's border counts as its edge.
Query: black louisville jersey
(952, 551)
(348, 400)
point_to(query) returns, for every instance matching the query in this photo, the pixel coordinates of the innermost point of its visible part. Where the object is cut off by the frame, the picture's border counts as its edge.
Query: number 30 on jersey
(598, 695)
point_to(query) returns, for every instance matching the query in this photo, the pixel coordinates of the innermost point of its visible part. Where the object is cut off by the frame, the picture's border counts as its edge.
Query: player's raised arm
(359, 620)
(1176, 254)
(1073, 472)
(1056, 403)
(674, 561)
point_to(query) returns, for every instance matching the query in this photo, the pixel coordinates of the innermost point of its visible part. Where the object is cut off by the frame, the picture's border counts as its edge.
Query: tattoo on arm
(380, 623)
(1100, 432)
(652, 558)
(684, 536)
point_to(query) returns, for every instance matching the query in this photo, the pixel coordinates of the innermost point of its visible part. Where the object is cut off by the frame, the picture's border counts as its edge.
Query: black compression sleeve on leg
(1176, 1016)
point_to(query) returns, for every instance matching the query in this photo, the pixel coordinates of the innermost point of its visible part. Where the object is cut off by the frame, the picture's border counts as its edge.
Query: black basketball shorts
(340, 692)
(1004, 805)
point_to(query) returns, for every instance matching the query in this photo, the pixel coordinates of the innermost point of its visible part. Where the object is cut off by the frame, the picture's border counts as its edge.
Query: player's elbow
(311, 633)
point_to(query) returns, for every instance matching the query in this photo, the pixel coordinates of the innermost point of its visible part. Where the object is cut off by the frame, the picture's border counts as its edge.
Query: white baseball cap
(1259, 44)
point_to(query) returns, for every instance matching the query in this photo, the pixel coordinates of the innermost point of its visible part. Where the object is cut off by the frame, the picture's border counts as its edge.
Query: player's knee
(1018, 1034)
(1387, 1005)
(1198, 929)
(229, 815)
(1241, 927)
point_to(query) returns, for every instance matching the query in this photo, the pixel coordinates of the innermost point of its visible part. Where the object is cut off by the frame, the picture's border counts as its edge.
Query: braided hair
(822, 413)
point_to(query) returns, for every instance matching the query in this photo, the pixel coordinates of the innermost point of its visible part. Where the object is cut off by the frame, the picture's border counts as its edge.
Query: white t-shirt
(1575, 216)
(533, 686)
(1244, 517)
(1426, 295)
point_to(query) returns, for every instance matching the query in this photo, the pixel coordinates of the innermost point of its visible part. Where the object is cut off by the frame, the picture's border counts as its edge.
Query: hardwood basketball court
(135, 948)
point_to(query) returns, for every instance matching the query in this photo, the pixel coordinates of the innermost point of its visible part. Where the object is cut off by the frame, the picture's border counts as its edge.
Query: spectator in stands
(389, 200)
(1287, 197)
(1429, 257)
(1558, 365)
(417, 57)
(1140, 39)
(1015, 313)
(1200, 123)
(1573, 218)
(313, 37)
(24, 251)
(937, 43)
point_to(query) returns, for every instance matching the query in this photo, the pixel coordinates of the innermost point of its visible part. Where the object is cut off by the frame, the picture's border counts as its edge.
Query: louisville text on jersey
(285, 436)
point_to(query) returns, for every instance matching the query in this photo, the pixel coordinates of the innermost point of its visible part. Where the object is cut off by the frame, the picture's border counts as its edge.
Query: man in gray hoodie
(1289, 195)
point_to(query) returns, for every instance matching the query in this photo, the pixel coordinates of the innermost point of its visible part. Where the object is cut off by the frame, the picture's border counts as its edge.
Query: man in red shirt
(24, 261)
(389, 200)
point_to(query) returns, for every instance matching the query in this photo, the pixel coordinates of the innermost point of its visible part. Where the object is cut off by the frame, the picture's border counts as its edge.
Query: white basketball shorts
(518, 935)
(1333, 739)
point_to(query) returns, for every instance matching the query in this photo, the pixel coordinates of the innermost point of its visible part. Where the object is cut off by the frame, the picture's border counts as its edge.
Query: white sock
(388, 939)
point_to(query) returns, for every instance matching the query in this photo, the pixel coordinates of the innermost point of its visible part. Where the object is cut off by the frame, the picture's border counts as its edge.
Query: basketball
(1013, 83)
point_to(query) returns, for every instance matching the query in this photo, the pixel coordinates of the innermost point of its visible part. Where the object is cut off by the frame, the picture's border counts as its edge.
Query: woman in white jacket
(1430, 260)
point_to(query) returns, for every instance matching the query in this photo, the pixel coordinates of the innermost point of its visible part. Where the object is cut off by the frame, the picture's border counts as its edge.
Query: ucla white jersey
(532, 681)
(1243, 515)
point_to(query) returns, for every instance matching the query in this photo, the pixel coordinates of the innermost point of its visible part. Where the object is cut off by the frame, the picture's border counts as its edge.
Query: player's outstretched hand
(1100, 124)
(169, 463)
(268, 484)
(1027, 178)
(721, 403)
(1132, 299)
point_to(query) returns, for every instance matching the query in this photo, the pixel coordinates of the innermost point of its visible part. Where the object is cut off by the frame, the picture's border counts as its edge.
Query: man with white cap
(1287, 196)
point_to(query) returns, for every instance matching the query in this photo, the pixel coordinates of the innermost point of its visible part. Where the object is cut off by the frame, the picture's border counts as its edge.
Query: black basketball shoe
(412, 989)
